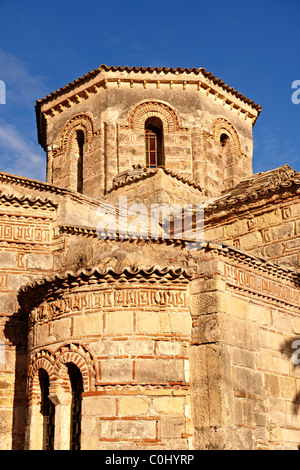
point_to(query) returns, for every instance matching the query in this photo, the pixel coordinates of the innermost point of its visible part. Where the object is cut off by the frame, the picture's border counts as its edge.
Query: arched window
(154, 142)
(80, 145)
(224, 139)
(47, 411)
(77, 389)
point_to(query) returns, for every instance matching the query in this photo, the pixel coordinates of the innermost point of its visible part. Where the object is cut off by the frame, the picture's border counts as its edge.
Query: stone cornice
(27, 202)
(162, 71)
(59, 283)
(55, 285)
(8, 178)
(145, 173)
(251, 191)
(104, 77)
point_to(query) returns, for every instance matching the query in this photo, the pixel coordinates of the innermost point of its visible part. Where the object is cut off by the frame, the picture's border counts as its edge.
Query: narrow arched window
(154, 142)
(80, 145)
(224, 139)
(47, 411)
(77, 389)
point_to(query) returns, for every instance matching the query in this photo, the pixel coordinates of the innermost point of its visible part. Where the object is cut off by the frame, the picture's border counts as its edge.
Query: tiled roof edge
(208, 75)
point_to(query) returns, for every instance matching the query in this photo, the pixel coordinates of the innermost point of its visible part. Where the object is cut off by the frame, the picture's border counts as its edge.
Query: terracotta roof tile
(33, 292)
(35, 202)
(256, 186)
(127, 177)
(179, 70)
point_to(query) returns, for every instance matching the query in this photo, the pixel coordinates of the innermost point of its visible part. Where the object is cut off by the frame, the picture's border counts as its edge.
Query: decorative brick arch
(80, 122)
(160, 109)
(222, 126)
(78, 355)
(55, 366)
(41, 360)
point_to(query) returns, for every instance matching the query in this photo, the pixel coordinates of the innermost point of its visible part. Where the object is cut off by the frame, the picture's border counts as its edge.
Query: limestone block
(274, 250)
(169, 405)
(282, 321)
(198, 286)
(90, 432)
(168, 348)
(275, 362)
(6, 421)
(128, 429)
(88, 324)
(268, 219)
(134, 406)
(248, 381)
(112, 348)
(251, 240)
(180, 322)
(296, 326)
(42, 333)
(272, 385)
(288, 388)
(243, 357)
(116, 370)
(209, 302)
(172, 427)
(38, 261)
(283, 231)
(140, 347)
(159, 370)
(148, 322)
(119, 322)
(8, 259)
(210, 328)
(62, 328)
(239, 227)
(295, 210)
(259, 314)
(99, 406)
(243, 333)
(7, 303)
(213, 234)
(271, 339)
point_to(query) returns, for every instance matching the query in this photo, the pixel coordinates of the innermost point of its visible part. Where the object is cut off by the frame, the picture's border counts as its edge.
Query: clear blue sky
(253, 46)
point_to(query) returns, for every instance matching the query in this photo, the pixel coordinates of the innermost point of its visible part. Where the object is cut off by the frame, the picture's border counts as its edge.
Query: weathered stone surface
(176, 345)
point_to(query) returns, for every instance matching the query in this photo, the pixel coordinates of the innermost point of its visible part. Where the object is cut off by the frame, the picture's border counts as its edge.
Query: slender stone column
(110, 145)
(49, 164)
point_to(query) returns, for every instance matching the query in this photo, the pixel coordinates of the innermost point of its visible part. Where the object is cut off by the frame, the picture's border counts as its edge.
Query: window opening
(224, 140)
(154, 142)
(80, 145)
(77, 389)
(47, 411)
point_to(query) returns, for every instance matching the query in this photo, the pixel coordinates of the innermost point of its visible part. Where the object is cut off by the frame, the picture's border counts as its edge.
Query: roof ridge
(151, 172)
(96, 271)
(196, 70)
(26, 198)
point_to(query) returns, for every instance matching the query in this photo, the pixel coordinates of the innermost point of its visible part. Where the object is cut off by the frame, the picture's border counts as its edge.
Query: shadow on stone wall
(290, 348)
(16, 332)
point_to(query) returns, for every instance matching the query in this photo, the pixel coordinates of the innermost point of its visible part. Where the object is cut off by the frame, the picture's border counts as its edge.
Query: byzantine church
(117, 338)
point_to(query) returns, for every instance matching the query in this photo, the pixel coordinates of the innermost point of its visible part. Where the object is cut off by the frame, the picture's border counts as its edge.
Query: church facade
(149, 289)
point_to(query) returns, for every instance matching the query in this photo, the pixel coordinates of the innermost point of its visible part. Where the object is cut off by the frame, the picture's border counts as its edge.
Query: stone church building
(117, 337)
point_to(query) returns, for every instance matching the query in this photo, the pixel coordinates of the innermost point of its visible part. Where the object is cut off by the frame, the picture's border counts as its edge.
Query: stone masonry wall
(25, 238)
(112, 116)
(269, 228)
(244, 385)
(136, 388)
